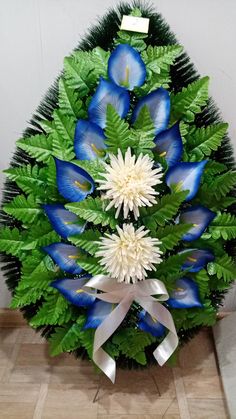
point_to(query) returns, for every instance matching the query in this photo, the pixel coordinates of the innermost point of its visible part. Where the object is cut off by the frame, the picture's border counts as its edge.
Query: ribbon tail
(167, 347)
(104, 361)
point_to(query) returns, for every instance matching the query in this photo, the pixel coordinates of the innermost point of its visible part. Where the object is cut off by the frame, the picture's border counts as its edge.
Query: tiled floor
(34, 386)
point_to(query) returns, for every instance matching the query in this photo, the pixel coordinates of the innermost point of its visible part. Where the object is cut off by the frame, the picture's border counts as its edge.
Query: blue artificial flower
(126, 67)
(197, 259)
(108, 93)
(64, 222)
(186, 294)
(89, 141)
(169, 145)
(185, 176)
(97, 313)
(200, 217)
(72, 290)
(158, 103)
(65, 256)
(73, 182)
(148, 324)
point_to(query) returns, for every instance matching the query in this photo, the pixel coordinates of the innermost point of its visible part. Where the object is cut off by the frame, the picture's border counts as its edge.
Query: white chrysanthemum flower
(130, 183)
(130, 254)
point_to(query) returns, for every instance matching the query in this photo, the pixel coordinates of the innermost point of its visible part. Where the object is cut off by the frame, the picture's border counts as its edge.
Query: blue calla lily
(185, 176)
(196, 259)
(97, 313)
(73, 182)
(148, 324)
(200, 217)
(108, 93)
(169, 145)
(72, 290)
(65, 256)
(186, 294)
(89, 141)
(64, 222)
(158, 103)
(126, 67)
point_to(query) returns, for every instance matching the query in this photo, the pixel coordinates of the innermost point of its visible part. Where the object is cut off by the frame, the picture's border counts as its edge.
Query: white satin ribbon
(124, 295)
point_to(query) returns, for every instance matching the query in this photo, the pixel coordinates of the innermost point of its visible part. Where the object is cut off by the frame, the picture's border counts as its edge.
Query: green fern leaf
(94, 167)
(99, 58)
(132, 342)
(160, 58)
(135, 39)
(171, 235)
(164, 210)
(11, 241)
(143, 134)
(66, 338)
(213, 168)
(190, 100)
(26, 297)
(223, 267)
(202, 141)
(41, 235)
(38, 147)
(172, 265)
(91, 265)
(78, 72)
(87, 240)
(116, 131)
(224, 225)
(63, 136)
(69, 102)
(23, 209)
(52, 311)
(222, 184)
(93, 210)
(29, 178)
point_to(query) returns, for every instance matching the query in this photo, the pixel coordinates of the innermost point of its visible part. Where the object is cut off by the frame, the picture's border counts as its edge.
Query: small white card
(135, 24)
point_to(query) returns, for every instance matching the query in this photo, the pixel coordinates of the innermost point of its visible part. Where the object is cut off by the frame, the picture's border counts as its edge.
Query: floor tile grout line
(180, 394)
(39, 407)
(12, 358)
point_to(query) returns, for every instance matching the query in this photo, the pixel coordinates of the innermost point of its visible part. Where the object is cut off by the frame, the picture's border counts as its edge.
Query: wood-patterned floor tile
(18, 410)
(69, 401)
(139, 416)
(79, 374)
(8, 335)
(207, 409)
(37, 354)
(198, 352)
(201, 382)
(30, 374)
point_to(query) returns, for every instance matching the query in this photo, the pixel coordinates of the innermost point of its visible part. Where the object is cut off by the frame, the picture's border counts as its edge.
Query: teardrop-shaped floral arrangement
(119, 201)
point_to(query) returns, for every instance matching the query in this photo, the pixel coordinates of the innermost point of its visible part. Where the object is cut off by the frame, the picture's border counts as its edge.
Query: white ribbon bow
(124, 295)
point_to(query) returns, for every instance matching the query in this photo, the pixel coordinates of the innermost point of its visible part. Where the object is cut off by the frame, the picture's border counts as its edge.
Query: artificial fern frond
(11, 241)
(171, 265)
(222, 184)
(53, 311)
(63, 136)
(64, 339)
(135, 39)
(171, 235)
(30, 179)
(99, 58)
(41, 235)
(223, 267)
(160, 58)
(190, 100)
(91, 265)
(94, 167)
(164, 210)
(93, 210)
(224, 225)
(87, 240)
(143, 134)
(38, 146)
(23, 209)
(116, 132)
(69, 102)
(78, 72)
(202, 141)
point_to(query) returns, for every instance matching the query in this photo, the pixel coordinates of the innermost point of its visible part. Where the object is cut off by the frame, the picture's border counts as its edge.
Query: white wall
(35, 35)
